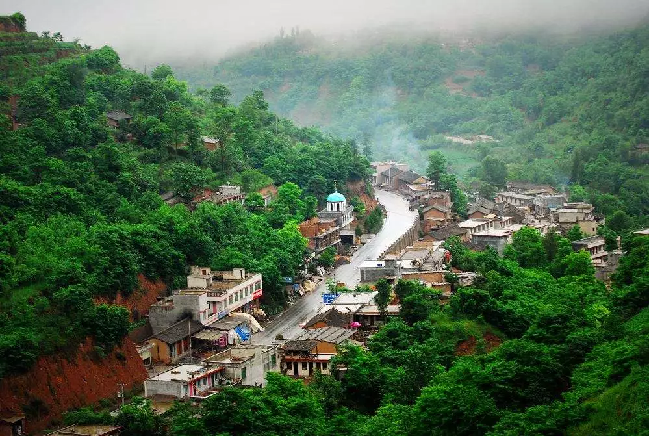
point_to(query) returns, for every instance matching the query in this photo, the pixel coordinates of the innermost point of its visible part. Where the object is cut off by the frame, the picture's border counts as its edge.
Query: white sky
(154, 30)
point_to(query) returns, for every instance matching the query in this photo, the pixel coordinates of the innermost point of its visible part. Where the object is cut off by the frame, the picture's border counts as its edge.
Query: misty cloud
(152, 31)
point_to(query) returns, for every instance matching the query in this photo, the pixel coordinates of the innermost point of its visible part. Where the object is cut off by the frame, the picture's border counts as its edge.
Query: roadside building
(247, 364)
(312, 351)
(321, 234)
(434, 216)
(186, 381)
(172, 343)
(370, 317)
(330, 318)
(211, 295)
(373, 270)
(379, 167)
(403, 180)
(388, 177)
(448, 231)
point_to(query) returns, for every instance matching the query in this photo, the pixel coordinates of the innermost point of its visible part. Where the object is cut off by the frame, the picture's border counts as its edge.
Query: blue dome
(335, 197)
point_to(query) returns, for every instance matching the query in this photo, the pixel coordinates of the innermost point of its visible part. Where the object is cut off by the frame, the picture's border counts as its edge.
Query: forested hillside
(81, 214)
(566, 110)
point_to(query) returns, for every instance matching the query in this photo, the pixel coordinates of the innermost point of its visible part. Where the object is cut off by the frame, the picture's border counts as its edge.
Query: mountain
(563, 110)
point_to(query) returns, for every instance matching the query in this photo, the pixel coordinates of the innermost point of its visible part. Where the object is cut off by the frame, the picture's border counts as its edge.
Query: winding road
(398, 220)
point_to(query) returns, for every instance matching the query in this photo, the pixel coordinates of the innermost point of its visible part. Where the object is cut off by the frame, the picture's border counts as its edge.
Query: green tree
(219, 94)
(494, 171)
(161, 72)
(575, 233)
(383, 296)
(437, 166)
(138, 419)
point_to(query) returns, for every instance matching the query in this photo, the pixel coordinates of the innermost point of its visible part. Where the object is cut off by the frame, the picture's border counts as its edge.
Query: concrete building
(580, 214)
(380, 167)
(373, 270)
(186, 381)
(595, 246)
(494, 238)
(247, 364)
(476, 225)
(211, 295)
(515, 199)
(545, 204)
(312, 351)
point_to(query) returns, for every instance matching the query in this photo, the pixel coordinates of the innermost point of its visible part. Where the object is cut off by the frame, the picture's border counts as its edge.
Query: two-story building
(515, 199)
(580, 214)
(312, 351)
(247, 364)
(321, 234)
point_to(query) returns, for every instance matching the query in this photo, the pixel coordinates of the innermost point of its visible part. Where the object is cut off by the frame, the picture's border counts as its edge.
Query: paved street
(398, 220)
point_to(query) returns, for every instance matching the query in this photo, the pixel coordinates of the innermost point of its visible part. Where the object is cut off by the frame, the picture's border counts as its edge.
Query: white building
(185, 381)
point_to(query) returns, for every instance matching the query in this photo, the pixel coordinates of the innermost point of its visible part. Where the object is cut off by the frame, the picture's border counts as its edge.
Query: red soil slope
(56, 384)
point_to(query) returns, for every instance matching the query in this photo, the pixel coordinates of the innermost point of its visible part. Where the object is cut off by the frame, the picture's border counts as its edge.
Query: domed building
(337, 209)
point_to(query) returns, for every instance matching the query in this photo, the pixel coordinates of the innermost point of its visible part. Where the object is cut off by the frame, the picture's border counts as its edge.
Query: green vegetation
(565, 110)
(80, 209)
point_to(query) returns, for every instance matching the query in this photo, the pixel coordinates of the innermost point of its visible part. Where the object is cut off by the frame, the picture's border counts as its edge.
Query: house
(544, 204)
(231, 330)
(388, 177)
(431, 279)
(476, 225)
(210, 143)
(434, 217)
(321, 234)
(380, 167)
(116, 118)
(494, 238)
(350, 302)
(530, 188)
(515, 199)
(186, 381)
(211, 295)
(226, 194)
(448, 231)
(268, 193)
(439, 198)
(330, 318)
(595, 246)
(405, 179)
(643, 232)
(580, 214)
(370, 316)
(87, 430)
(312, 351)
(373, 270)
(172, 343)
(12, 425)
(247, 364)
(481, 208)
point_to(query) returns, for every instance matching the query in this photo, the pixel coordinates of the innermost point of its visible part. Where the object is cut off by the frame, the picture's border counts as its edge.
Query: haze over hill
(150, 32)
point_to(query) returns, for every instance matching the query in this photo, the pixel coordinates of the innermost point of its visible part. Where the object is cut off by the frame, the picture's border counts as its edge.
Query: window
(304, 366)
(324, 366)
(236, 296)
(317, 366)
(230, 299)
(243, 373)
(273, 360)
(241, 294)
(257, 286)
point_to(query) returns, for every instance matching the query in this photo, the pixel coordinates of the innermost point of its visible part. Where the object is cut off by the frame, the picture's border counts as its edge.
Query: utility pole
(120, 394)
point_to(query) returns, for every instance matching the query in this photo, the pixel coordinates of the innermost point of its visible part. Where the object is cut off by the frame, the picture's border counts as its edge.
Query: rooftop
(335, 335)
(350, 298)
(473, 222)
(179, 331)
(336, 197)
(118, 115)
(185, 373)
(516, 195)
(87, 430)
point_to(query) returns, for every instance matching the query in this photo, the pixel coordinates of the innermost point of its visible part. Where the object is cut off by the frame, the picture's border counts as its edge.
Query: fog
(153, 31)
